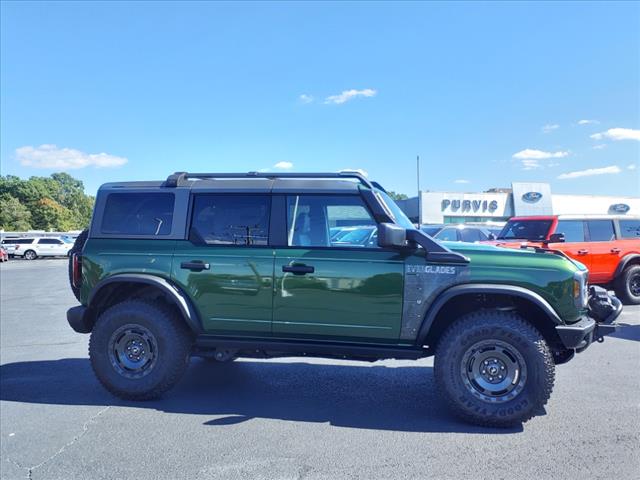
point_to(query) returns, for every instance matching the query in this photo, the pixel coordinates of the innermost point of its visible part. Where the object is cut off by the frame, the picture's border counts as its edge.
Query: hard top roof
(254, 182)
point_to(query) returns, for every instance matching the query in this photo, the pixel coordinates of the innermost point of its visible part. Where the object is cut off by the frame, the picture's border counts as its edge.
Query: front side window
(525, 230)
(138, 214)
(630, 228)
(573, 230)
(329, 221)
(472, 235)
(49, 241)
(230, 219)
(601, 230)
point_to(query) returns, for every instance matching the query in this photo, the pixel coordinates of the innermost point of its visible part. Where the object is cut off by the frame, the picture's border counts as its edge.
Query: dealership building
(499, 204)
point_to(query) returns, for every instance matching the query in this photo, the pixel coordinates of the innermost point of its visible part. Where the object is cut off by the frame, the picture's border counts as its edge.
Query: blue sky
(119, 91)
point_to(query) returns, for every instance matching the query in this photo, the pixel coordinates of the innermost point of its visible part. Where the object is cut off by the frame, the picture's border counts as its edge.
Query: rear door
(574, 244)
(603, 252)
(326, 289)
(226, 265)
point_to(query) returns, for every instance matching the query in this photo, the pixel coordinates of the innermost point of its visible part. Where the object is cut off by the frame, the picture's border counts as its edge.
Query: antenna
(419, 199)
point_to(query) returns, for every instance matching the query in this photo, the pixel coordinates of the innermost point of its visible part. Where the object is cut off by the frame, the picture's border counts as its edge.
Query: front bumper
(594, 326)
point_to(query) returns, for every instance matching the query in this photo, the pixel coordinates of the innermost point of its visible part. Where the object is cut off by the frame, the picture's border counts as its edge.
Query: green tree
(47, 214)
(397, 196)
(13, 214)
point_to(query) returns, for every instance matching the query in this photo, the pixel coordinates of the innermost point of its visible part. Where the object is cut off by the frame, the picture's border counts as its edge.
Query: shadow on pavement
(375, 397)
(627, 331)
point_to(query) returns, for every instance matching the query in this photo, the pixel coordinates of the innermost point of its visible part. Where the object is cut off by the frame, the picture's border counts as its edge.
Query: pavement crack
(85, 429)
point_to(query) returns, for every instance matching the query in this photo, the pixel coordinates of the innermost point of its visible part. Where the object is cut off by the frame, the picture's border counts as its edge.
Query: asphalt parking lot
(289, 418)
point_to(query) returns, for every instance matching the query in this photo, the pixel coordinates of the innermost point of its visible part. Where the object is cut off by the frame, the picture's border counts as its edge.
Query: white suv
(32, 248)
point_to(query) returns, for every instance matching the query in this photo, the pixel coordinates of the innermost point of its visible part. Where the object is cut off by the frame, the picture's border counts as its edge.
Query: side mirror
(556, 238)
(391, 235)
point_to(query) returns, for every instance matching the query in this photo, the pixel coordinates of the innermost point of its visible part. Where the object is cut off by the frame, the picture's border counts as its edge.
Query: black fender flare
(179, 298)
(511, 290)
(624, 262)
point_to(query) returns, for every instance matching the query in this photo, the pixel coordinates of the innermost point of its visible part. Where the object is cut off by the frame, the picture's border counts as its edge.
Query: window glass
(573, 230)
(138, 214)
(471, 235)
(329, 221)
(601, 230)
(23, 241)
(49, 241)
(231, 219)
(448, 234)
(525, 230)
(630, 228)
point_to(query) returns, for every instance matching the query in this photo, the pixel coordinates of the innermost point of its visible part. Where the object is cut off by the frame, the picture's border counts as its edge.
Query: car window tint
(630, 228)
(601, 230)
(138, 214)
(448, 234)
(231, 219)
(525, 230)
(23, 241)
(47, 241)
(329, 221)
(471, 235)
(573, 230)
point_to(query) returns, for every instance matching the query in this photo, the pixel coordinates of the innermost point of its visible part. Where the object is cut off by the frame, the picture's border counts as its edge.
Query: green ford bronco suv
(254, 265)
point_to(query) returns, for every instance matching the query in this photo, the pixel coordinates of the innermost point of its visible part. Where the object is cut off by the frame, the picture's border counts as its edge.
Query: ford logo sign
(532, 197)
(620, 208)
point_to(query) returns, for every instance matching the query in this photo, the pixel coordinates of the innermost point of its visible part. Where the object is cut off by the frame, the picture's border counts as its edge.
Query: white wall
(591, 204)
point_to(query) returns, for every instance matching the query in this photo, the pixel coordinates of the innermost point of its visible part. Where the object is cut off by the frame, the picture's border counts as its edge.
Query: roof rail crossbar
(179, 178)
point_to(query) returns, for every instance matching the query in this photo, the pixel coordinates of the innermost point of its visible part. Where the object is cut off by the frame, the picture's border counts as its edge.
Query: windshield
(398, 215)
(525, 230)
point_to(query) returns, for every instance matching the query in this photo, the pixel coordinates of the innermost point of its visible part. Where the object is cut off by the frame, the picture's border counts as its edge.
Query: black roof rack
(180, 178)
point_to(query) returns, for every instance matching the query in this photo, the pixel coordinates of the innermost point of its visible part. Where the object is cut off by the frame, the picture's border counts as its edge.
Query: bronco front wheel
(494, 368)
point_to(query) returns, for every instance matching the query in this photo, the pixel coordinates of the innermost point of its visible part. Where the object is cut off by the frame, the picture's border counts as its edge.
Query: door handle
(298, 269)
(615, 250)
(583, 252)
(195, 266)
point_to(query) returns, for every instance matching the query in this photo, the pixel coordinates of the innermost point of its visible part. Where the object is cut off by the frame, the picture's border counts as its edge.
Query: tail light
(76, 270)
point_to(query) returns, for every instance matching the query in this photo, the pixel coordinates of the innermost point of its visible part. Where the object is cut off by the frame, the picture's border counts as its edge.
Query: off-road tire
(30, 255)
(623, 285)
(507, 328)
(174, 342)
(78, 245)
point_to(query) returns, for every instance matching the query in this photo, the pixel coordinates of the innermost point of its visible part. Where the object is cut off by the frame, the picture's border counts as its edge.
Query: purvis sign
(470, 205)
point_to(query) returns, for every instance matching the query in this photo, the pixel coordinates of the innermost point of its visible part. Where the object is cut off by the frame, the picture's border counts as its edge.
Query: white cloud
(600, 146)
(613, 169)
(618, 134)
(347, 95)
(588, 122)
(304, 98)
(52, 157)
(632, 166)
(530, 154)
(283, 165)
(461, 180)
(531, 158)
(550, 128)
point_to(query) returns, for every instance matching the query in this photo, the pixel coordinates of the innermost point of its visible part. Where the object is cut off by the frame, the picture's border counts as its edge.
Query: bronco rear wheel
(494, 368)
(139, 350)
(628, 285)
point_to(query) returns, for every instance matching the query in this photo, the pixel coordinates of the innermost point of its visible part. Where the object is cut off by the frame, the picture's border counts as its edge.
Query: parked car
(458, 232)
(4, 255)
(242, 265)
(608, 245)
(32, 248)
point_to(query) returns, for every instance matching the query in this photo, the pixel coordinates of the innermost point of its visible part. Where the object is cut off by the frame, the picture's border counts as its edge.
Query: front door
(347, 288)
(226, 266)
(604, 253)
(575, 244)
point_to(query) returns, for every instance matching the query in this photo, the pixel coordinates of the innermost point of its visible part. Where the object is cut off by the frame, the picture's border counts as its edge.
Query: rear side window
(23, 241)
(601, 230)
(138, 214)
(472, 235)
(49, 241)
(573, 230)
(630, 228)
(231, 219)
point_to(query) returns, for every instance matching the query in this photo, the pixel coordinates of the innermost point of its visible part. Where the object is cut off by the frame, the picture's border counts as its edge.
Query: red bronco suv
(608, 245)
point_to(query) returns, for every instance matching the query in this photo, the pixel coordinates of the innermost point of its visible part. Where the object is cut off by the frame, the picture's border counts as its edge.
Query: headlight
(580, 289)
